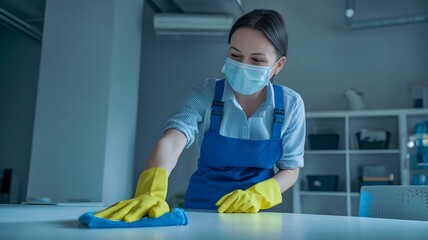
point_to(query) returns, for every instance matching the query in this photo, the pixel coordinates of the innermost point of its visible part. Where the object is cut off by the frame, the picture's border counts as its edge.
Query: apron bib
(227, 164)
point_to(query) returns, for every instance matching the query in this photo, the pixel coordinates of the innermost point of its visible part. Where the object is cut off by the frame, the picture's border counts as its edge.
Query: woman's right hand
(149, 199)
(135, 208)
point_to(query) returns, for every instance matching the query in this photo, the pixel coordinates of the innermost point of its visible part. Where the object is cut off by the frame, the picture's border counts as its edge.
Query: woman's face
(251, 47)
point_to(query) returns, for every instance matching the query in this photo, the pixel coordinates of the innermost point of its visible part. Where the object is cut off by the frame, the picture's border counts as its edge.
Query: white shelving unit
(346, 160)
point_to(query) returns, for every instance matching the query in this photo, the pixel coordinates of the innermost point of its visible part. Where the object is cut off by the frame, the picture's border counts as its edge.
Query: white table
(60, 222)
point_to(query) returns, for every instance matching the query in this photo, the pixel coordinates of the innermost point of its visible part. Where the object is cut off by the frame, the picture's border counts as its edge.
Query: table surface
(60, 222)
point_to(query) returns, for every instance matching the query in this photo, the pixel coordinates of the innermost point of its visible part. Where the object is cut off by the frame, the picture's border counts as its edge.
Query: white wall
(123, 101)
(325, 58)
(169, 68)
(19, 70)
(84, 132)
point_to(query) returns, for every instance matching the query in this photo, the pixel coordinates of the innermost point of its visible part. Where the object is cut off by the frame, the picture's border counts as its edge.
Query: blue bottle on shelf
(421, 157)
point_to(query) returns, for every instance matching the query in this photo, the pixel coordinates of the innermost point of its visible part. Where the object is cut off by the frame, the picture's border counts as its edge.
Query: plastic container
(322, 182)
(420, 138)
(420, 179)
(419, 93)
(373, 144)
(325, 141)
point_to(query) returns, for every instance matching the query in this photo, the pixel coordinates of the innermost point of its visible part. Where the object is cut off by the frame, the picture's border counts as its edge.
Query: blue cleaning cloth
(176, 217)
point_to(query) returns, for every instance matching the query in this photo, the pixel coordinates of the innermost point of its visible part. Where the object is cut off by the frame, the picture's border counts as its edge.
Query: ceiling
(30, 11)
(234, 8)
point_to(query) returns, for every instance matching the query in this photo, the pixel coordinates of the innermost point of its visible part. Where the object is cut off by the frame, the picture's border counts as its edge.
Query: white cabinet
(348, 158)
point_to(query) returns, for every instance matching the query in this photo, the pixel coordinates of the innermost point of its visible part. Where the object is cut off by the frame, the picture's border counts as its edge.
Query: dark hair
(268, 22)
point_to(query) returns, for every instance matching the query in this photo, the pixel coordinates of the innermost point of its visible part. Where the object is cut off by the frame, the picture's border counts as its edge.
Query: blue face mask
(244, 78)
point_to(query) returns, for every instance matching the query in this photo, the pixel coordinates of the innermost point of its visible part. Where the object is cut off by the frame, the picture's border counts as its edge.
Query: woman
(244, 126)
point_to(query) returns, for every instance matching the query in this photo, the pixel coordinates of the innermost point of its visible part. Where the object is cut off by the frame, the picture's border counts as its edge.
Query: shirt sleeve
(191, 110)
(294, 136)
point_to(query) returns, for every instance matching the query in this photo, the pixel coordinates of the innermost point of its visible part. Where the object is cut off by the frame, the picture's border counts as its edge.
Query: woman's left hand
(262, 195)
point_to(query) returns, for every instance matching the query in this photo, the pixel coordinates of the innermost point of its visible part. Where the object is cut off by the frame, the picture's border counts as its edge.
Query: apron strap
(217, 107)
(278, 112)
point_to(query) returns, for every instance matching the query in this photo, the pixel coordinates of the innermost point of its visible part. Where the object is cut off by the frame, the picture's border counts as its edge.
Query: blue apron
(227, 164)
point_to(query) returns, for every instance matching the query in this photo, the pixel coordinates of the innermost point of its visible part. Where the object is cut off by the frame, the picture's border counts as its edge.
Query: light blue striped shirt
(192, 118)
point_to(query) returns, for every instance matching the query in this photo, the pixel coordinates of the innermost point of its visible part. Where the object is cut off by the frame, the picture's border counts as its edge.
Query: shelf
(325, 151)
(347, 158)
(421, 170)
(327, 193)
(375, 151)
(323, 193)
(356, 151)
(354, 194)
(367, 113)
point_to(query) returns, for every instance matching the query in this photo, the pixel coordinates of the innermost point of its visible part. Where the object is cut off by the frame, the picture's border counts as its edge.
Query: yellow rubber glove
(149, 199)
(262, 195)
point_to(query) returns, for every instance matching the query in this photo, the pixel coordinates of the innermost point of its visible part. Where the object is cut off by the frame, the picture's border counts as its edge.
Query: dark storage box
(373, 170)
(374, 144)
(322, 182)
(323, 141)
